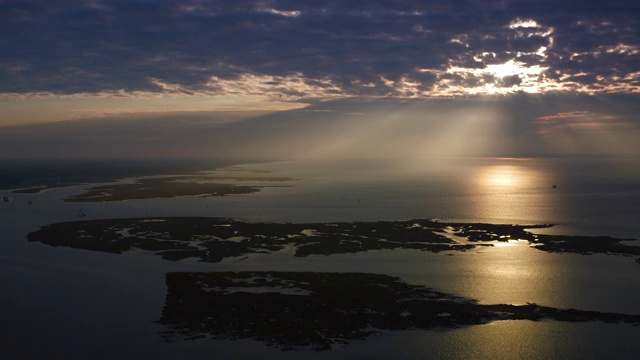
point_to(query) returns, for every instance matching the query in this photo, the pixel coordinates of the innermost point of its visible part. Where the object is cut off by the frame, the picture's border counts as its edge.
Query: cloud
(563, 115)
(309, 49)
(607, 124)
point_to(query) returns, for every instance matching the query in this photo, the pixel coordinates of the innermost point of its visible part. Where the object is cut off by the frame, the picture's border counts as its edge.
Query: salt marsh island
(214, 239)
(319, 311)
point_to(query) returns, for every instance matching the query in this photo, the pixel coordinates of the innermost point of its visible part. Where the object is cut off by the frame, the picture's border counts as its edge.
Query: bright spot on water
(501, 179)
(511, 192)
(503, 175)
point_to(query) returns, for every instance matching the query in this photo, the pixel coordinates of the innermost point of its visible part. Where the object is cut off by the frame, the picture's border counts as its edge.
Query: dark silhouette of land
(291, 310)
(214, 239)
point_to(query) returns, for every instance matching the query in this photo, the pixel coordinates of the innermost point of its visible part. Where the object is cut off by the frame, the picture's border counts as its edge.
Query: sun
(511, 68)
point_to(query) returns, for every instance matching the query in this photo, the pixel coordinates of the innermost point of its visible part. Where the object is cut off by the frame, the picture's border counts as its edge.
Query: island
(213, 239)
(171, 186)
(319, 311)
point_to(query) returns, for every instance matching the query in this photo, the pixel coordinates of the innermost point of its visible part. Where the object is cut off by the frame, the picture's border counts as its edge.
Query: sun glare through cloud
(520, 70)
(511, 68)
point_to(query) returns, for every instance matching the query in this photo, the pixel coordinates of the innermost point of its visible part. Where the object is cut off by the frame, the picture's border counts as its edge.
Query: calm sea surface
(77, 303)
(591, 196)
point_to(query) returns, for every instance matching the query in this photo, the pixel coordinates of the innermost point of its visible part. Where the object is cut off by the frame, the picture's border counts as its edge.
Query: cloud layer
(293, 50)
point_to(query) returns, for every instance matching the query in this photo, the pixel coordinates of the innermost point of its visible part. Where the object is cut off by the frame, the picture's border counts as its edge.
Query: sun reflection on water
(501, 176)
(509, 243)
(512, 191)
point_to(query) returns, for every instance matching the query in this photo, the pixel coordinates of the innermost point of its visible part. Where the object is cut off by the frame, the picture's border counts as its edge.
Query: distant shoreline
(35, 175)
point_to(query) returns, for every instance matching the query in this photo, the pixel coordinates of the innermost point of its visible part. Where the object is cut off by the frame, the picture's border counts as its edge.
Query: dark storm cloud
(336, 47)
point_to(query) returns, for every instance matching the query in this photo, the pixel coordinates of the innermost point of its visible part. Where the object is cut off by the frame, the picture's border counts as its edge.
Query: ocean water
(590, 197)
(78, 304)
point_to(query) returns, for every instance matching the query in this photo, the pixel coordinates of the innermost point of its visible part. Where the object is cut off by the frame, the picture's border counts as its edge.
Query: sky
(319, 78)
